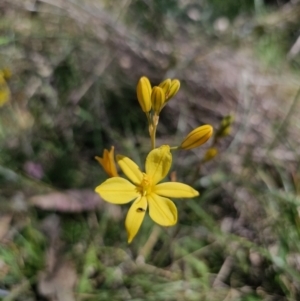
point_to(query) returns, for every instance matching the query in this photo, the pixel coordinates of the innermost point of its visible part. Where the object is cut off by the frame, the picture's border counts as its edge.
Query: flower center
(145, 187)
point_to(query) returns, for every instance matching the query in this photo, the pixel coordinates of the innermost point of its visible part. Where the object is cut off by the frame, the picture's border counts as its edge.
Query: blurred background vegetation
(72, 68)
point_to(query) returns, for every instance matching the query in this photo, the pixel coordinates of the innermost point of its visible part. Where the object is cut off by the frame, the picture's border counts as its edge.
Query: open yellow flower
(108, 162)
(145, 190)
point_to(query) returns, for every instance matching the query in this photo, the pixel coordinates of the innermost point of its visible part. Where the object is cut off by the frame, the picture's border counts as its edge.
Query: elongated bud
(210, 154)
(143, 90)
(158, 98)
(197, 137)
(175, 85)
(4, 91)
(165, 85)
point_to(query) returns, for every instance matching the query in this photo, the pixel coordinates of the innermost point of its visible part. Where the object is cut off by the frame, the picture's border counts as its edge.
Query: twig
(224, 272)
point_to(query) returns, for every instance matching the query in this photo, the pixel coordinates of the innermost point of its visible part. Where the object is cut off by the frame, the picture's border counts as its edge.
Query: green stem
(153, 136)
(148, 118)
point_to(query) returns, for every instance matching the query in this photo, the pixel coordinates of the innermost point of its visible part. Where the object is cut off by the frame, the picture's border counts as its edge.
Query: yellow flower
(108, 162)
(145, 190)
(4, 91)
(143, 90)
(197, 137)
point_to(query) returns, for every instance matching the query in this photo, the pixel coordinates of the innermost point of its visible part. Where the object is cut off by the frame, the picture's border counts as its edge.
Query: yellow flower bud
(108, 162)
(165, 85)
(6, 72)
(144, 94)
(225, 127)
(227, 120)
(210, 154)
(158, 98)
(225, 131)
(4, 91)
(175, 85)
(197, 137)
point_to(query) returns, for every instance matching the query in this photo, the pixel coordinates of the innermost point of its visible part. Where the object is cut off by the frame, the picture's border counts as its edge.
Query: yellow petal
(197, 137)
(175, 190)
(100, 161)
(130, 169)
(111, 162)
(158, 163)
(108, 162)
(117, 191)
(135, 217)
(162, 210)
(143, 90)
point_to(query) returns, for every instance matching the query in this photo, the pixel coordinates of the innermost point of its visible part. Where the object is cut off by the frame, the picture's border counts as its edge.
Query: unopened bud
(143, 90)
(226, 131)
(197, 137)
(165, 85)
(6, 73)
(225, 126)
(158, 98)
(174, 87)
(210, 154)
(4, 91)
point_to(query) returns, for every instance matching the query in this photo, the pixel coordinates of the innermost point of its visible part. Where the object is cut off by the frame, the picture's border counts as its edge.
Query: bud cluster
(153, 100)
(156, 98)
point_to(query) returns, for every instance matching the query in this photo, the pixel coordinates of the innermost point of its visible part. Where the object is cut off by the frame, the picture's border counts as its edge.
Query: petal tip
(195, 193)
(97, 189)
